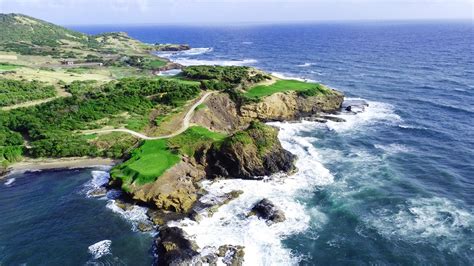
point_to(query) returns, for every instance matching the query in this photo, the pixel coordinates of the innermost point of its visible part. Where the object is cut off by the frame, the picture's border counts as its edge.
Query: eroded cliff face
(251, 153)
(222, 114)
(176, 190)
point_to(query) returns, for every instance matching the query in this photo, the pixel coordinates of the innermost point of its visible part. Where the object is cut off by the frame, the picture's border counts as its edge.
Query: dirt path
(59, 93)
(184, 126)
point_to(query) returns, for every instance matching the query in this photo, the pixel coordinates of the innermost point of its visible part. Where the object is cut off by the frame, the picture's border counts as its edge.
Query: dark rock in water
(172, 47)
(160, 217)
(144, 227)
(99, 192)
(232, 255)
(333, 118)
(209, 208)
(254, 152)
(316, 119)
(355, 106)
(265, 209)
(174, 248)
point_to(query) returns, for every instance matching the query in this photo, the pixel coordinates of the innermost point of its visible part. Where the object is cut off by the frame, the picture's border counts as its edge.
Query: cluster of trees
(229, 74)
(225, 78)
(50, 126)
(17, 91)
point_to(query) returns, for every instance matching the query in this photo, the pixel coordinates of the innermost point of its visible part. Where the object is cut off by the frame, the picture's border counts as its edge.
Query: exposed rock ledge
(223, 114)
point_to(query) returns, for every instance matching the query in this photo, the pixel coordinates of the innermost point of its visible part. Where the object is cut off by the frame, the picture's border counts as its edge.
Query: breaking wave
(100, 249)
(196, 62)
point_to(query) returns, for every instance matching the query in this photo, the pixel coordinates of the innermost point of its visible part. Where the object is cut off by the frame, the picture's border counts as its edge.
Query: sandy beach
(48, 164)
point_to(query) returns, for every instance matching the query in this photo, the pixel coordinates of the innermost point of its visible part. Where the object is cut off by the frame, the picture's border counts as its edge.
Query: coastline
(58, 163)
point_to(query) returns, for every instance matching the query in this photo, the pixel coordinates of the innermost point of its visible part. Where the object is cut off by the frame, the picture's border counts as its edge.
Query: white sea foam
(290, 76)
(191, 52)
(435, 220)
(100, 249)
(393, 148)
(306, 65)
(229, 225)
(135, 214)
(195, 62)
(98, 181)
(247, 43)
(376, 112)
(407, 126)
(10, 181)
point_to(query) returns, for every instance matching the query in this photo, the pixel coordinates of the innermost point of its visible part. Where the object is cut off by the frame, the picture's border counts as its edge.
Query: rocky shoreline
(252, 151)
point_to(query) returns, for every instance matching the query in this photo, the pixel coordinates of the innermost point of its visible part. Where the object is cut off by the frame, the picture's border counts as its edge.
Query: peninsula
(65, 94)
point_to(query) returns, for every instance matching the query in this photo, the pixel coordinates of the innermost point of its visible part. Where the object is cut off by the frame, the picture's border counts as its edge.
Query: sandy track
(184, 126)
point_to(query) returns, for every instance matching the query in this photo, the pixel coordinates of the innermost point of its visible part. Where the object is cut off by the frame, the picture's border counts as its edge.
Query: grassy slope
(7, 67)
(280, 86)
(154, 157)
(21, 28)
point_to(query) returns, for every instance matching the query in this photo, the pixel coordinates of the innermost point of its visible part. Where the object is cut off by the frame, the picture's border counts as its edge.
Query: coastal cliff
(250, 150)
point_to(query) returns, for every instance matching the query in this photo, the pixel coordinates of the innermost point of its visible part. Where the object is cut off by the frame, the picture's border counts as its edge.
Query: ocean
(391, 185)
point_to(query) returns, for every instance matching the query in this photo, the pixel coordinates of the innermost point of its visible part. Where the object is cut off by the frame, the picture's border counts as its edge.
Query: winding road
(184, 126)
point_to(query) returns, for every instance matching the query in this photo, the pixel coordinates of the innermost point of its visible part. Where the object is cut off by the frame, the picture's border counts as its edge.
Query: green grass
(193, 139)
(136, 123)
(280, 86)
(156, 64)
(200, 107)
(154, 157)
(7, 67)
(147, 163)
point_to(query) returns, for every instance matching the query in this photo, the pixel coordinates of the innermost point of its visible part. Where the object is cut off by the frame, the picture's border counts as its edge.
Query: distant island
(67, 97)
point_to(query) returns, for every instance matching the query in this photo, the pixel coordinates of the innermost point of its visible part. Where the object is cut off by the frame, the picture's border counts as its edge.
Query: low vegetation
(303, 88)
(51, 127)
(16, 91)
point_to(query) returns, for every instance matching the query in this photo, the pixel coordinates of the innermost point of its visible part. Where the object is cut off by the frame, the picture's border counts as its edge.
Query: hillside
(21, 28)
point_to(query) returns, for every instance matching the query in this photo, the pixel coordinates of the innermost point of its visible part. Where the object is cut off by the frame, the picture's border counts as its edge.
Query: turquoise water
(392, 185)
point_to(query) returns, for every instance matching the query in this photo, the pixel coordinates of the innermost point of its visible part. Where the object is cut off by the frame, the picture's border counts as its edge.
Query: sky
(84, 12)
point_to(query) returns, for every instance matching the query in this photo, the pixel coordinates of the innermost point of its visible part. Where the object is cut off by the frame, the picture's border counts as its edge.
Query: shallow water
(391, 185)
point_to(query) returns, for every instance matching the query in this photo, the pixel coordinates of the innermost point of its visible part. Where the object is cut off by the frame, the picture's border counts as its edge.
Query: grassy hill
(21, 28)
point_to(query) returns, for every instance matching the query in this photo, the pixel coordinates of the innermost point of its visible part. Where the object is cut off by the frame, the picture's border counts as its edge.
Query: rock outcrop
(176, 190)
(291, 106)
(172, 47)
(254, 152)
(223, 114)
(173, 247)
(265, 209)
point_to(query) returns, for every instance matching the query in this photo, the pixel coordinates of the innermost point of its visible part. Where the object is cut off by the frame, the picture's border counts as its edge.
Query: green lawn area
(194, 138)
(149, 161)
(153, 64)
(7, 67)
(281, 86)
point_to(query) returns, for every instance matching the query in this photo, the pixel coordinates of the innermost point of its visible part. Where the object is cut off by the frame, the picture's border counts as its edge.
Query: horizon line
(269, 23)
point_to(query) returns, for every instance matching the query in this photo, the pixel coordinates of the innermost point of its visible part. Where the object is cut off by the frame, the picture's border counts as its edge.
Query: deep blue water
(47, 219)
(402, 172)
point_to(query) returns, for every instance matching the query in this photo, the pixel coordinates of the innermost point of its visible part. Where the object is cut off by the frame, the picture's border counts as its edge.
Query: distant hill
(21, 28)
(31, 36)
